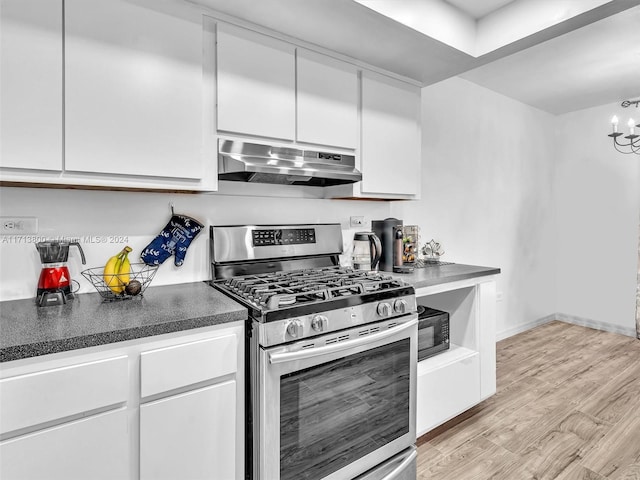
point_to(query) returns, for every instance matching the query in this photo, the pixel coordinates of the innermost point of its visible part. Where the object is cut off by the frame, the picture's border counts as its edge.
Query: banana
(117, 271)
(110, 273)
(125, 269)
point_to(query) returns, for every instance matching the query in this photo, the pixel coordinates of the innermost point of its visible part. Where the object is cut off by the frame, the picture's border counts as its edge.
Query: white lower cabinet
(169, 407)
(94, 448)
(188, 421)
(455, 380)
(66, 421)
(190, 436)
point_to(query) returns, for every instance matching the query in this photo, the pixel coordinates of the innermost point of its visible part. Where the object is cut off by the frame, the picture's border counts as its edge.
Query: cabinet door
(327, 100)
(256, 84)
(134, 90)
(190, 436)
(96, 448)
(390, 152)
(31, 84)
(446, 391)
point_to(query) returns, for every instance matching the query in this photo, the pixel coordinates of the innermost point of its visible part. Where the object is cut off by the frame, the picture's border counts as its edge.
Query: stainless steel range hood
(252, 162)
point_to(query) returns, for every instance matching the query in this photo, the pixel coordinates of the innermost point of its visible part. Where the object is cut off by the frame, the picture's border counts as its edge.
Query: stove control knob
(295, 329)
(384, 309)
(319, 323)
(400, 306)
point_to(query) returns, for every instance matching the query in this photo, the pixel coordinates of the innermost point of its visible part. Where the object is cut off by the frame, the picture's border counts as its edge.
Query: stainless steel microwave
(433, 331)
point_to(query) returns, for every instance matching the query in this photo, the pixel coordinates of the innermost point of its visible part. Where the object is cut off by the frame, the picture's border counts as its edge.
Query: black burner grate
(286, 288)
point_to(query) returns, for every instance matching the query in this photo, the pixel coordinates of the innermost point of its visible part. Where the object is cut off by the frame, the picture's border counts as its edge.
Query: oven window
(335, 413)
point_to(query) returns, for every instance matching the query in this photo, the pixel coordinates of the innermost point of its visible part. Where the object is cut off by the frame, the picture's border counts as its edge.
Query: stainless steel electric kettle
(367, 250)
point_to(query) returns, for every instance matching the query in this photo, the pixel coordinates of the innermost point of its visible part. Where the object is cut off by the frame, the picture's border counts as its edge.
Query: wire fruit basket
(124, 288)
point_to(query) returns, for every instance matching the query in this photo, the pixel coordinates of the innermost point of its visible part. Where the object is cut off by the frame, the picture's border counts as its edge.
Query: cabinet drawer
(446, 391)
(93, 448)
(49, 395)
(181, 365)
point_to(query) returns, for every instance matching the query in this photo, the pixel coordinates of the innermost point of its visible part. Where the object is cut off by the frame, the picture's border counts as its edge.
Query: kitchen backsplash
(105, 221)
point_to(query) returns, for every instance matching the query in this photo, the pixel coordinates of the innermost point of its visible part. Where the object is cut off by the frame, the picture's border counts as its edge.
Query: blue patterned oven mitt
(175, 238)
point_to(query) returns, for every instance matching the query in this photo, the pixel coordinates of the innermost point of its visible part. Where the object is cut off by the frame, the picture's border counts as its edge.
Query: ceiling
(478, 9)
(590, 66)
(556, 55)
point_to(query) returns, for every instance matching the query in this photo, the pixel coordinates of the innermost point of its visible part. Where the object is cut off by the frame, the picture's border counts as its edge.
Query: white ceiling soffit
(593, 65)
(481, 26)
(566, 70)
(478, 9)
(350, 29)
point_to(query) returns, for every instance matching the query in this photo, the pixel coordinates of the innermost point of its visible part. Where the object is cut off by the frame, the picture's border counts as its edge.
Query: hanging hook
(171, 207)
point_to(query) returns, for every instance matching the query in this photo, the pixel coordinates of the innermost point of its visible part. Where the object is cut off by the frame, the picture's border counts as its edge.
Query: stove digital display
(284, 236)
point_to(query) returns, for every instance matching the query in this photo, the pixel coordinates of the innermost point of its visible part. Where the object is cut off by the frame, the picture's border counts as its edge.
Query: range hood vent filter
(252, 162)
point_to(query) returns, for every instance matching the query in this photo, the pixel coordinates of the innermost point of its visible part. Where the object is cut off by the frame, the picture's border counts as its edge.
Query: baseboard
(563, 317)
(586, 322)
(509, 332)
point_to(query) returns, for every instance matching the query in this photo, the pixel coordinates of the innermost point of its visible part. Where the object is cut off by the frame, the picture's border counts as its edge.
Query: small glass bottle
(398, 248)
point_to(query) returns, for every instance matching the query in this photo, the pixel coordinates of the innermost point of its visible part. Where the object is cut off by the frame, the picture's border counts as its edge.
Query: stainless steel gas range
(331, 356)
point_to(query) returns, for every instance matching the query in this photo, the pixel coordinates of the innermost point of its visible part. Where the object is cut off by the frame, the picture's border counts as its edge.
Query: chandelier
(633, 139)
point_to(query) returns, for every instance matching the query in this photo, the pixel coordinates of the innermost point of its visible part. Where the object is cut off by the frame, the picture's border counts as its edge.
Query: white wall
(487, 193)
(139, 217)
(597, 228)
(544, 198)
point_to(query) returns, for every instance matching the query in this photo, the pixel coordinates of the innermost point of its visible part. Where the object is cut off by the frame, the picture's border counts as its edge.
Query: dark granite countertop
(431, 275)
(27, 330)
(86, 321)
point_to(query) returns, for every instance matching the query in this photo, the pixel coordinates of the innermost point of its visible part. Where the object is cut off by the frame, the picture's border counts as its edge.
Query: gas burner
(284, 300)
(287, 289)
(274, 302)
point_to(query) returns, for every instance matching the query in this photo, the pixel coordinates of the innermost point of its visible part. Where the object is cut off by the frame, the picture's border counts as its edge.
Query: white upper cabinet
(31, 84)
(133, 90)
(327, 100)
(256, 84)
(390, 153)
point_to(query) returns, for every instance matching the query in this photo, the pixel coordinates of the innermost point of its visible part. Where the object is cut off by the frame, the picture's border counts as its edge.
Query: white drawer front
(48, 395)
(446, 392)
(174, 367)
(93, 448)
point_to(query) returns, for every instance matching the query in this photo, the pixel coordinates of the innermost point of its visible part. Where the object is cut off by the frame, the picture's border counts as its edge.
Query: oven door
(337, 410)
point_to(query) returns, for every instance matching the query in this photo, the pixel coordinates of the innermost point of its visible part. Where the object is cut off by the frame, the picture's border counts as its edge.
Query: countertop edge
(456, 278)
(20, 352)
(451, 273)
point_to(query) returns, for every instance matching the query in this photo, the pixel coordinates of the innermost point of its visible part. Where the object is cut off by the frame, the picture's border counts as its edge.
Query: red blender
(54, 284)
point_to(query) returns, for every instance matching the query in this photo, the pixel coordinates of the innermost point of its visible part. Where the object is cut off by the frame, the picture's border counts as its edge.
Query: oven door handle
(283, 357)
(402, 466)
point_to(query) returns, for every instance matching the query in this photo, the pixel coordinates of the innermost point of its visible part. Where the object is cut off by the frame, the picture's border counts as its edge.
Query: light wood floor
(567, 407)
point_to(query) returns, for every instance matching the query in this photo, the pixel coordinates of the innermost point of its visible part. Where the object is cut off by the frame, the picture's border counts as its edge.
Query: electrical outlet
(18, 225)
(357, 222)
